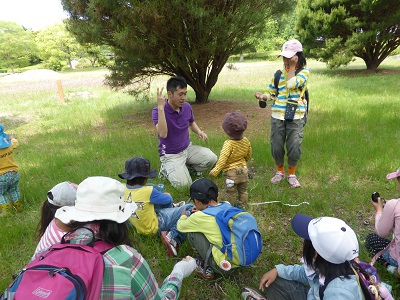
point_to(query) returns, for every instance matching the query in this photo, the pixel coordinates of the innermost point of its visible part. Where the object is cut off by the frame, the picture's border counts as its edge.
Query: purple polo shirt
(178, 124)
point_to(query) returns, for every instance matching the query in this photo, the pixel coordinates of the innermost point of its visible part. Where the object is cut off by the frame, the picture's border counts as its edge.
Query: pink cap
(290, 48)
(394, 174)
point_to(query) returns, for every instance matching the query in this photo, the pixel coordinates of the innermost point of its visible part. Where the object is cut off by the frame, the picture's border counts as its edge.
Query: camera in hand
(262, 103)
(375, 196)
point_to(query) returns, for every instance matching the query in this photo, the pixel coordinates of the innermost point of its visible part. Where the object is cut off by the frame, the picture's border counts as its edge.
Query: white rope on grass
(269, 202)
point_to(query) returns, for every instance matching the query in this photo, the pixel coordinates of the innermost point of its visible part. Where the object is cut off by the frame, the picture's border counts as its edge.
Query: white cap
(63, 194)
(332, 238)
(290, 48)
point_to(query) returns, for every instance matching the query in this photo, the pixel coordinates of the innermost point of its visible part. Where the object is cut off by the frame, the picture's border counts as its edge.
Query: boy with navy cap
(156, 213)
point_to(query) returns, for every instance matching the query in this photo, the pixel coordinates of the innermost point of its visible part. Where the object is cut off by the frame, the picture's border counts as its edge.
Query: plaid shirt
(127, 275)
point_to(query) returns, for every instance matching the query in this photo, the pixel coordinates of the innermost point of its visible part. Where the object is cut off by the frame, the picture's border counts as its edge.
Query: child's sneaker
(294, 183)
(179, 204)
(279, 176)
(208, 273)
(249, 293)
(169, 243)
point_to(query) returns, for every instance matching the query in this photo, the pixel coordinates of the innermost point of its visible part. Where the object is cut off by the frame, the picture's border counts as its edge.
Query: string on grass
(287, 204)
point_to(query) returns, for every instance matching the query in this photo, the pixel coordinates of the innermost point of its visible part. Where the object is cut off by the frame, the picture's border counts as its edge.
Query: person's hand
(268, 278)
(160, 98)
(378, 205)
(203, 136)
(293, 61)
(186, 266)
(258, 95)
(183, 212)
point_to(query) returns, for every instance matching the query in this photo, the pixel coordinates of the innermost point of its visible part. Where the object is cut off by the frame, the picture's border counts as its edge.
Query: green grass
(351, 142)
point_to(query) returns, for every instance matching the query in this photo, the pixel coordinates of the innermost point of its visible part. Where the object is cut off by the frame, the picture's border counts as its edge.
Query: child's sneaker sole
(249, 293)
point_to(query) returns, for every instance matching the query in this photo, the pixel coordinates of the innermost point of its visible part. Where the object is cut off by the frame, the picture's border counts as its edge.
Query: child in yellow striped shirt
(233, 159)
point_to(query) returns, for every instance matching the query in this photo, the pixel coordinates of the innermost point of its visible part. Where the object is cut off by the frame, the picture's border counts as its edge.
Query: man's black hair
(176, 82)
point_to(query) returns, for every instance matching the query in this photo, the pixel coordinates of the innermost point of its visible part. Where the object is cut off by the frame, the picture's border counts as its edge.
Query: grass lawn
(351, 142)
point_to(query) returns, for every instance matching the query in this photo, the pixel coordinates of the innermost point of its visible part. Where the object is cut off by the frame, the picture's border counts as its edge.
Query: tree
(16, 45)
(336, 31)
(189, 38)
(95, 54)
(56, 45)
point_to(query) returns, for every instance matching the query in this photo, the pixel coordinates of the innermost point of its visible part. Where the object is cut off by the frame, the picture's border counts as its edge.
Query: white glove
(186, 266)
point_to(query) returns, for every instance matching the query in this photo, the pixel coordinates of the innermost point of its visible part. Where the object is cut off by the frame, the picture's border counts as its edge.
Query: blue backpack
(243, 229)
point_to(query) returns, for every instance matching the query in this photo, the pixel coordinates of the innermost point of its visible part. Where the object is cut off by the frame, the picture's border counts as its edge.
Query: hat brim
(393, 175)
(287, 54)
(5, 142)
(127, 176)
(300, 224)
(66, 214)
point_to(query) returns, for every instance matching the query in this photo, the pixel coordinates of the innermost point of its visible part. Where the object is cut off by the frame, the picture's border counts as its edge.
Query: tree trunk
(201, 95)
(70, 64)
(12, 68)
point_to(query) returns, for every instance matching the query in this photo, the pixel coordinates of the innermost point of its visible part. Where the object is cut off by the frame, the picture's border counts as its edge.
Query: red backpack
(64, 271)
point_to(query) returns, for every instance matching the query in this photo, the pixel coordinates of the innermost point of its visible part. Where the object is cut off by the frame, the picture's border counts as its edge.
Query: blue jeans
(389, 259)
(167, 219)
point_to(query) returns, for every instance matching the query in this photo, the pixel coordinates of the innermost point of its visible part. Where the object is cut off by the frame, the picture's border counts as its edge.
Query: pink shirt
(51, 236)
(386, 221)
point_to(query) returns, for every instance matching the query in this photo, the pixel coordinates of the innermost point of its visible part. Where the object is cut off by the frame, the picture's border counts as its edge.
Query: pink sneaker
(294, 183)
(279, 176)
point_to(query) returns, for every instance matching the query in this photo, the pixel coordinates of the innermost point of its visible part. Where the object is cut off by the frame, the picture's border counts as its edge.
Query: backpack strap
(376, 256)
(363, 288)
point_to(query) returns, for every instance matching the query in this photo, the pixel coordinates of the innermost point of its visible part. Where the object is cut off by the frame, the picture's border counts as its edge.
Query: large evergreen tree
(189, 38)
(336, 31)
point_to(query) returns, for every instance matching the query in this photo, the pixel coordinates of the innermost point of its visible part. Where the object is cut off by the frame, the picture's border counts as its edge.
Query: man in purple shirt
(173, 117)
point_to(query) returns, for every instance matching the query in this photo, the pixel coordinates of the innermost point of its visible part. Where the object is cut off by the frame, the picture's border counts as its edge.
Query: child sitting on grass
(9, 176)
(50, 230)
(233, 159)
(156, 213)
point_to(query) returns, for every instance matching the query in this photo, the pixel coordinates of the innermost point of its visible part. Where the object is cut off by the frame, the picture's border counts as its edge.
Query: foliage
(57, 45)
(16, 45)
(336, 31)
(190, 38)
(96, 54)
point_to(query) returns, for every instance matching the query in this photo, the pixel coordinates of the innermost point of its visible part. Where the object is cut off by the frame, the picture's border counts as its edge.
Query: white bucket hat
(332, 238)
(98, 198)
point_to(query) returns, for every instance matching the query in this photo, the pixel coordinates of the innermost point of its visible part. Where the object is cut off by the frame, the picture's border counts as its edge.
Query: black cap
(200, 189)
(137, 167)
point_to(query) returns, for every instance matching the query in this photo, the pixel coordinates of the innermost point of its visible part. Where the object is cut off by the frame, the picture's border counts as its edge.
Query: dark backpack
(243, 228)
(64, 271)
(277, 77)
